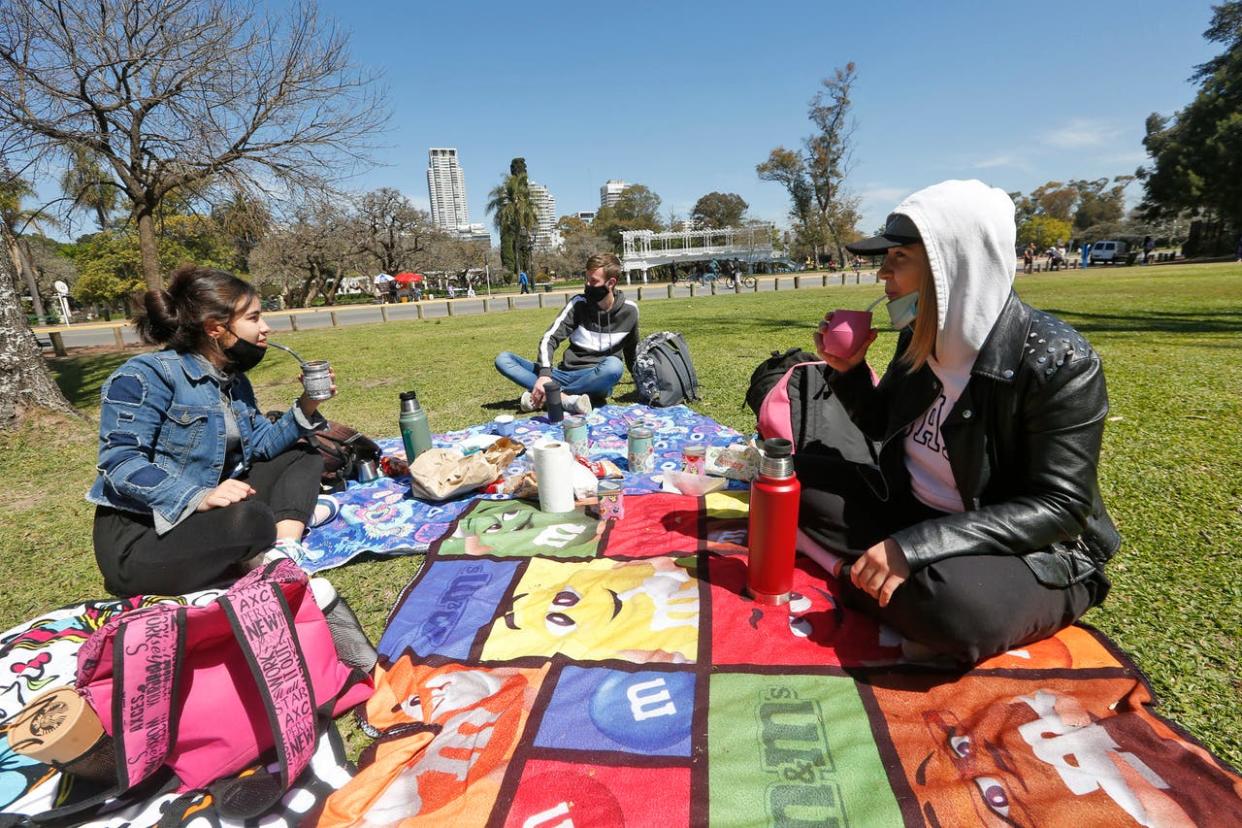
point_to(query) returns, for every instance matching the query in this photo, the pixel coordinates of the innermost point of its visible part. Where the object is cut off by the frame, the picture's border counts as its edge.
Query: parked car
(1110, 251)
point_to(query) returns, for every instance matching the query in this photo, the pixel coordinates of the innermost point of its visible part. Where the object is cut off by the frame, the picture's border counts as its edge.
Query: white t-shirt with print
(927, 456)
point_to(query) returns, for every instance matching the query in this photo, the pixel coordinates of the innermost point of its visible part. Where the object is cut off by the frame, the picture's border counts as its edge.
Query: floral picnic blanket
(382, 518)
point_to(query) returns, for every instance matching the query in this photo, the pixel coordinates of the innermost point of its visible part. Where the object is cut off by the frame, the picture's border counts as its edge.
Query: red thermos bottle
(773, 534)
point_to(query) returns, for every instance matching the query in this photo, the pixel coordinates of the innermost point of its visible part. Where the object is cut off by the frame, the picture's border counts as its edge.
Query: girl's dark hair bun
(160, 321)
(175, 317)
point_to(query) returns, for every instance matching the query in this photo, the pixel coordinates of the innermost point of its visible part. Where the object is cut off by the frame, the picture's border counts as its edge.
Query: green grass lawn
(1171, 339)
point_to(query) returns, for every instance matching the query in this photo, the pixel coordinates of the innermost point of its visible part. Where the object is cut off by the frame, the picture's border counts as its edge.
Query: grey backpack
(663, 371)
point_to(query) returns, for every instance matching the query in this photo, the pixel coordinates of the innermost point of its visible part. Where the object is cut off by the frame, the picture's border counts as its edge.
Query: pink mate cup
(845, 333)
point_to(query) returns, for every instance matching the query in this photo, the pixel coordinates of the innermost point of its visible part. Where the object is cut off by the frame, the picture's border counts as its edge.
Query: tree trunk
(27, 268)
(150, 251)
(25, 381)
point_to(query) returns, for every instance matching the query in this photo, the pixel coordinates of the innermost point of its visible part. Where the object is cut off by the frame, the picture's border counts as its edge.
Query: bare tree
(181, 95)
(391, 229)
(305, 255)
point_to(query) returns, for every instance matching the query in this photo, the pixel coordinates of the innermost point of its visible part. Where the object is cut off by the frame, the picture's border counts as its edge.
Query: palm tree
(88, 187)
(15, 220)
(514, 215)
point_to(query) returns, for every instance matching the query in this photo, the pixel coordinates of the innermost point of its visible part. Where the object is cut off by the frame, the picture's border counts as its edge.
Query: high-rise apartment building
(446, 187)
(545, 214)
(610, 193)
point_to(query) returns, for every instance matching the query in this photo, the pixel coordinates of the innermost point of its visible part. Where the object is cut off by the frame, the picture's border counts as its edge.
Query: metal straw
(289, 350)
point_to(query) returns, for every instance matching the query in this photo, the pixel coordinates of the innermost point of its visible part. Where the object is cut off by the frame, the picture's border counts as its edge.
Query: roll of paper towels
(554, 472)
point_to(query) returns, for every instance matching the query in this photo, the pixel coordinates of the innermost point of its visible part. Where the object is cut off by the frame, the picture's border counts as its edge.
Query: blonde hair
(926, 320)
(609, 262)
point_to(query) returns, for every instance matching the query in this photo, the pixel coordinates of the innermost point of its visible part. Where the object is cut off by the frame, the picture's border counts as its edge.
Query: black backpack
(818, 423)
(663, 372)
(769, 372)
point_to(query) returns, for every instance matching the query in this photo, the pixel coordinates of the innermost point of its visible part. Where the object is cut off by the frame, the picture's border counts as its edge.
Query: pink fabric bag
(207, 690)
(774, 418)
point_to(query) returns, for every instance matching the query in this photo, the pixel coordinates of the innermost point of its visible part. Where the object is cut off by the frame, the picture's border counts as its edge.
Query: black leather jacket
(1023, 442)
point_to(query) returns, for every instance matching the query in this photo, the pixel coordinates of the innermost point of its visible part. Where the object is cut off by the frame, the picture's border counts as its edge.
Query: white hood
(968, 230)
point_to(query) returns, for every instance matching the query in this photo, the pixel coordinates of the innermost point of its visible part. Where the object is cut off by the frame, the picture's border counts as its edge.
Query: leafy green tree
(513, 212)
(579, 241)
(1055, 199)
(1098, 203)
(716, 210)
(1044, 230)
(638, 208)
(110, 264)
(1196, 157)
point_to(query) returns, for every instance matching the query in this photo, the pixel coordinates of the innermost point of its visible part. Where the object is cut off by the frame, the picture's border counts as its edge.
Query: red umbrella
(407, 277)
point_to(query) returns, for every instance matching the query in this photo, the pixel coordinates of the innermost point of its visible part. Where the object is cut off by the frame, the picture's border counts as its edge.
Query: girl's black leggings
(205, 549)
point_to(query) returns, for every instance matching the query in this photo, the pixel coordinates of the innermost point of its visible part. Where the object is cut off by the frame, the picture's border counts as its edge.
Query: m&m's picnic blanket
(555, 670)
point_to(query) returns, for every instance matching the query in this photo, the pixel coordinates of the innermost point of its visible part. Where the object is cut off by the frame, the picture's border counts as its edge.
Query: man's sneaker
(527, 404)
(576, 404)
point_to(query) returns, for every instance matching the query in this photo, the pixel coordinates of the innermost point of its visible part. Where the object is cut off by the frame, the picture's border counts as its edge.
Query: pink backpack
(206, 690)
(779, 417)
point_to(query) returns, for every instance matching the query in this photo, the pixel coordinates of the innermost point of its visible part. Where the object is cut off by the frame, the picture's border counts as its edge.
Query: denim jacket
(162, 435)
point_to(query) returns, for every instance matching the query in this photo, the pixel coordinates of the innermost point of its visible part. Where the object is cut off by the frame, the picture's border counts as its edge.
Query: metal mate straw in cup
(640, 453)
(316, 374)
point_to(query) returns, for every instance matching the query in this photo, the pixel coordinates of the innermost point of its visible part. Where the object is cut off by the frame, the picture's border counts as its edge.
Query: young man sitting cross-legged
(602, 328)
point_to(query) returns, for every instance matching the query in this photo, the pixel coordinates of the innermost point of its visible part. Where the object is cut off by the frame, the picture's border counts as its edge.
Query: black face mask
(595, 293)
(244, 355)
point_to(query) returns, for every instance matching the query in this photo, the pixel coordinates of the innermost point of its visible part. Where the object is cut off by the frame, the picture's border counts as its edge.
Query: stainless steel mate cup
(317, 379)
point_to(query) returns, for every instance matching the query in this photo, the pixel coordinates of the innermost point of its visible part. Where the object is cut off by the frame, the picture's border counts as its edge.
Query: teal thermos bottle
(415, 432)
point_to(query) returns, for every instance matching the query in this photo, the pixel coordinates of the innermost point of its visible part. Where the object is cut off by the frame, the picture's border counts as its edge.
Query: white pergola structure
(642, 250)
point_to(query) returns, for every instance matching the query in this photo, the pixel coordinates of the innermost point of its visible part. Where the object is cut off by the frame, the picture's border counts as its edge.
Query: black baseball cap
(898, 230)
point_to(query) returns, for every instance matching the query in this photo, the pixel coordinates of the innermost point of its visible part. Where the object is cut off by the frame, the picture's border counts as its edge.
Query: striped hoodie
(593, 334)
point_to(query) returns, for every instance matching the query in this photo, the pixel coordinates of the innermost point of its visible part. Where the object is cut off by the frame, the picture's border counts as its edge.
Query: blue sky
(688, 97)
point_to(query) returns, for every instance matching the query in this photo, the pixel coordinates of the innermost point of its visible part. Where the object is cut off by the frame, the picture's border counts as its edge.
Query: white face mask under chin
(903, 310)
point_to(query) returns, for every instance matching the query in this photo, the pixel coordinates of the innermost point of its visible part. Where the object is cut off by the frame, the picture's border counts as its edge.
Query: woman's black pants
(965, 608)
(205, 549)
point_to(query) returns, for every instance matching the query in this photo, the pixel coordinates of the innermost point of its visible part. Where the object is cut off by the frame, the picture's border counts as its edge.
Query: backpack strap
(263, 625)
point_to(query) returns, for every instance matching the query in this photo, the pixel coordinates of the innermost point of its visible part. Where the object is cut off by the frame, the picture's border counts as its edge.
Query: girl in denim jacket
(194, 482)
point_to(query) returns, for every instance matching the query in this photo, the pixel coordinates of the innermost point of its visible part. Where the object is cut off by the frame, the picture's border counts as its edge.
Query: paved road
(88, 336)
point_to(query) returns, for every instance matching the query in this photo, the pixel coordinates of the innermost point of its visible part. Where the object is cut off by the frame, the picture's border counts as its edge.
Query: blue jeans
(596, 381)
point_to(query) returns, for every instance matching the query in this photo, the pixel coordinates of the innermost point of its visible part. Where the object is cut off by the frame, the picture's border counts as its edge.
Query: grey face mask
(903, 310)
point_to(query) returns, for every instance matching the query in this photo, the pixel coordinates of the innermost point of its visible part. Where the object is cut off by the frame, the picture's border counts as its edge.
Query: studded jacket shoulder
(1023, 442)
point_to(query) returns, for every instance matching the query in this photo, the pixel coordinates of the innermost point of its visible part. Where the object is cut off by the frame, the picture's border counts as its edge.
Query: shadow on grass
(1155, 321)
(81, 377)
(508, 406)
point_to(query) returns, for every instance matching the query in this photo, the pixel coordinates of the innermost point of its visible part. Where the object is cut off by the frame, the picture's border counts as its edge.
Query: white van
(1108, 251)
